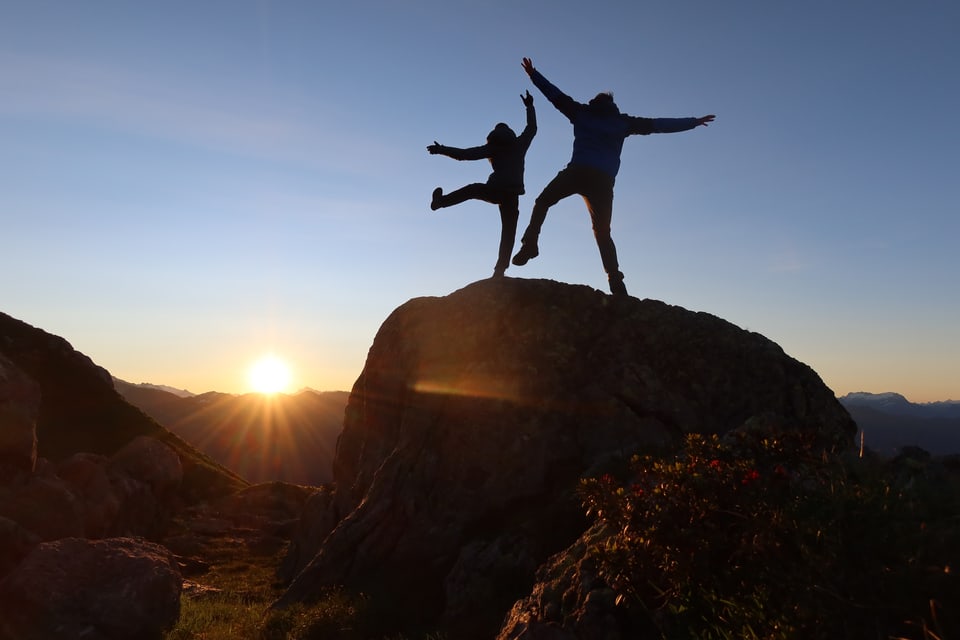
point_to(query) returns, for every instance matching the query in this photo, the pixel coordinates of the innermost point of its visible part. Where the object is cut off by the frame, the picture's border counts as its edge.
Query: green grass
(242, 585)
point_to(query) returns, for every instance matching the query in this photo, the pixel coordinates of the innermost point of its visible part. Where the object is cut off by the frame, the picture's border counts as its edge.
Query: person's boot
(617, 287)
(435, 200)
(528, 251)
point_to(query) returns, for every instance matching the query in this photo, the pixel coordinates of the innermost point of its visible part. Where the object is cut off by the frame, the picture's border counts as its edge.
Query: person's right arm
(472, 153)
(564, 103)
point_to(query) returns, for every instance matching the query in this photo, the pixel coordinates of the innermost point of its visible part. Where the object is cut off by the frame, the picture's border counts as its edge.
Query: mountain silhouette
(889, 422)
(81, 412)
(288, 438)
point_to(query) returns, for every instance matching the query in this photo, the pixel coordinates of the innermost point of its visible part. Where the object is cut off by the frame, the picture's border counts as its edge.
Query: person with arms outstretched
(599, 129)
(506, 152)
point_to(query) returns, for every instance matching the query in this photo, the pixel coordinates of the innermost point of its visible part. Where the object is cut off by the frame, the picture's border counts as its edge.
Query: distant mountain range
(289, 438)
(183, 393)
(889, 422)
(295, 436)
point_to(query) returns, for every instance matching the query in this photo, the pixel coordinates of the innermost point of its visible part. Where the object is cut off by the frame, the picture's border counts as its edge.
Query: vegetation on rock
(763, 534)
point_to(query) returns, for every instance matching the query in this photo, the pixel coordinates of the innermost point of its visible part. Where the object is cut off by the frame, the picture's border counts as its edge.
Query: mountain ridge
(292, 437)
(81, 412)
(888, 422)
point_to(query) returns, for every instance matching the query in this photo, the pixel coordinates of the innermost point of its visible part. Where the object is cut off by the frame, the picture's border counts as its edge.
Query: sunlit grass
(241, 585)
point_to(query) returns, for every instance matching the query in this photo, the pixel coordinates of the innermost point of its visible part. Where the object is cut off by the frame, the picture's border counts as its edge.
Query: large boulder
(151, 462)
(477, 413)
(105, 589)
(86, 475)
(19, 408)
(317, 519)
(89, 495)
(44, 505)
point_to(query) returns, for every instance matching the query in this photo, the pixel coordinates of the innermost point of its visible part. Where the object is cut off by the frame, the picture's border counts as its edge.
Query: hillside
(81, 412)
(289, 438)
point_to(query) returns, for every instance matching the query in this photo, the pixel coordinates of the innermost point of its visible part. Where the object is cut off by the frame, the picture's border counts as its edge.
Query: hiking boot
(435, 200)
(528, 251)
(617, 287)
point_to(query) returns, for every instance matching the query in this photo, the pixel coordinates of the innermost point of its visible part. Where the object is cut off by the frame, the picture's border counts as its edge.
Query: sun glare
(269, 375)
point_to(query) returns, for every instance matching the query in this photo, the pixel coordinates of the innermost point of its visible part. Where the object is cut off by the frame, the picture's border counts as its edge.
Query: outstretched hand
(705, 120)
(527, 99)
(434, 148)
(527, 65)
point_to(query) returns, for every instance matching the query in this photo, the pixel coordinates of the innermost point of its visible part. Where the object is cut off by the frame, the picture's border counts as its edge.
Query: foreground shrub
(764, 535)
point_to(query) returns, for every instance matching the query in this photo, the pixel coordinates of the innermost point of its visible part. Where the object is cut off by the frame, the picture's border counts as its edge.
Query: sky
(187, 186)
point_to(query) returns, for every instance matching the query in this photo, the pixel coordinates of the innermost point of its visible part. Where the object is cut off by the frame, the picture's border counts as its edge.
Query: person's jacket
(506, 152)
(600, 129)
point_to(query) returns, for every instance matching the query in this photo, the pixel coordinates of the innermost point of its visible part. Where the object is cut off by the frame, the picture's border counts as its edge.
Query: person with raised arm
(506, 152)
(599, 129)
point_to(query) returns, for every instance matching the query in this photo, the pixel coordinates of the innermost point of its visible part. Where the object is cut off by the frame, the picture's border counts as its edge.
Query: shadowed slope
(81, 412)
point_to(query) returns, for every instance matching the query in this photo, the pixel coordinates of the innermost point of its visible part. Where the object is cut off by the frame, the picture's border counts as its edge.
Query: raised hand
(705, 120)
(527, 65)
(527, 99)
(434, 148)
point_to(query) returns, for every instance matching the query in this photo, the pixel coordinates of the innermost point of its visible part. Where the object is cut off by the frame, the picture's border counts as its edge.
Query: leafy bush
(763, 534)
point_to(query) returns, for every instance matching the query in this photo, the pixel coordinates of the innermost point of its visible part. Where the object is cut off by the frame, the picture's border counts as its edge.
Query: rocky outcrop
(151, 462)
(317, 519)
(477, 413)
(569, 580)
(77, 461)
(19, 409)
(102, 590)
(81, 412)
(87, 476)
(87, 495)
(44, 505)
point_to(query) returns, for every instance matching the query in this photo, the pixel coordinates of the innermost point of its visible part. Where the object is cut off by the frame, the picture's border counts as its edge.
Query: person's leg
(509, 214)
(564, 184)
(599, 200)
(475, 191)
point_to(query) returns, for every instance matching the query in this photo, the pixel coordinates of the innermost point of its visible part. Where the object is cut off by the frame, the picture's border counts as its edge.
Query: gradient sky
(185, 186)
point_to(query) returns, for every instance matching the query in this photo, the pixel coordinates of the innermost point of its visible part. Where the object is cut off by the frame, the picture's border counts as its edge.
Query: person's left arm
(643, 126)
(531, 129)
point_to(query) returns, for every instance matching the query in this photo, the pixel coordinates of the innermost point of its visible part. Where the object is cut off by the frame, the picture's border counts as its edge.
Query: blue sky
(185, 186)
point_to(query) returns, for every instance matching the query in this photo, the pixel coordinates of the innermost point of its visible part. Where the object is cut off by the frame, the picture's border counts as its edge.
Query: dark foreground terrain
(518, 459)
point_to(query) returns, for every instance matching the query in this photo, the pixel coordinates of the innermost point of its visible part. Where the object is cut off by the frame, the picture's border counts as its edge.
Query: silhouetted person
(506, 152)
(599, 130)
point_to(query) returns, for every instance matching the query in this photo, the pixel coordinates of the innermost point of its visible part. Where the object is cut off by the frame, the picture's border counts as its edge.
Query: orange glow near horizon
(269, 375)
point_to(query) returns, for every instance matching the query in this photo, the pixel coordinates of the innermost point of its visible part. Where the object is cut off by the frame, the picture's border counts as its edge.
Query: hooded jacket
(506, 152)
(599, 128)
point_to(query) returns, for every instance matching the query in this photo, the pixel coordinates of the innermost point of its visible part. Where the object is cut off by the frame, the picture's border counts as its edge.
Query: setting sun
(269, 375)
